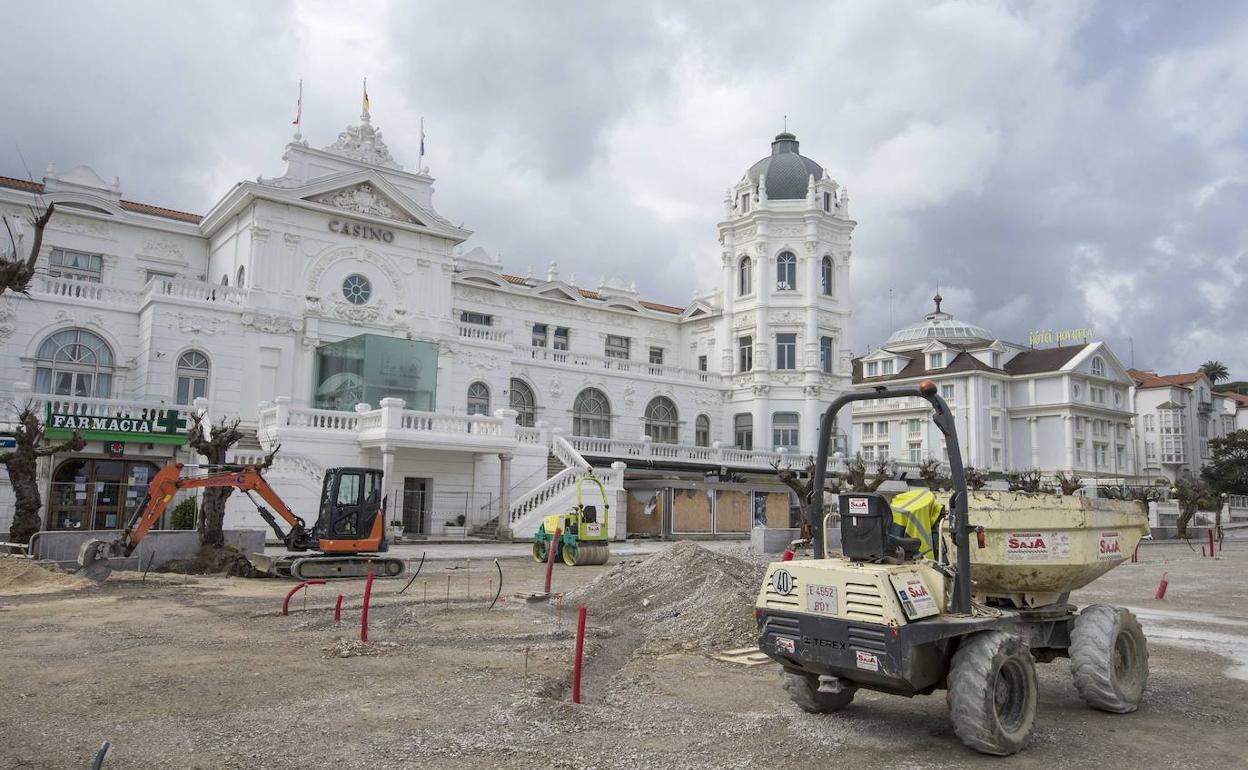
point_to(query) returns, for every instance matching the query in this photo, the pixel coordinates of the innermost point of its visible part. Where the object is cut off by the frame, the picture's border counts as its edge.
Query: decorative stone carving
(630, 394)
(292, 240)
(163, 248)
(788, 231)
(477, 360)
(364, 199)
(193, 323)
(272, 323)
(80, 225)
(786, 317)
(761, 390)
(362, 143)
(811, 391)
(8, 320)
(556, 387)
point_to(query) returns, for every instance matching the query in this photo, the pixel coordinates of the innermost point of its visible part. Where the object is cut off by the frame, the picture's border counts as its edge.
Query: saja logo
(782, 582)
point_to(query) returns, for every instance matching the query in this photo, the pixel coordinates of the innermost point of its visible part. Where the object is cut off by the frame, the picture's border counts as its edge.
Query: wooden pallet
(744, 656)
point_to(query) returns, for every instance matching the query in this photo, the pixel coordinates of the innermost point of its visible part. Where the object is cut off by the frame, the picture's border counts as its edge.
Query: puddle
(1182, 629)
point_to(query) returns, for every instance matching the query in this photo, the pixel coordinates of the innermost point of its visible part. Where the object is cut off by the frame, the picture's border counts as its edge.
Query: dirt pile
(210, 561)
(354, 648)
(683, 597)
(23, 576)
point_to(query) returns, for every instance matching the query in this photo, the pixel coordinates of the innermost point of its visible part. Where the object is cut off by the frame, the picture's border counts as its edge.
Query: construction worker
(914, 516)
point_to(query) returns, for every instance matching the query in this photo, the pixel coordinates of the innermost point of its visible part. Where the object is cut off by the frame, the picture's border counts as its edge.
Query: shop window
(97, 494)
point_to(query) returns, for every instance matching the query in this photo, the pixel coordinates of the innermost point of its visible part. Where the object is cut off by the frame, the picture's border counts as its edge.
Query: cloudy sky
(1050, 165)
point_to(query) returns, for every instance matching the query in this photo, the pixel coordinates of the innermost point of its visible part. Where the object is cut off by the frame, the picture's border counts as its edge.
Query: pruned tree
(975, 478)
(21, 464)
(933, 475)
(1068, 484)
(804, 488)
(214, 443)
(856, 475)
(16, 272)
(1024, 481)
(1191, 493)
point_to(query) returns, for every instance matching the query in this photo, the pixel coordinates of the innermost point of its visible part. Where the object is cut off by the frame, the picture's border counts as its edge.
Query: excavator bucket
(93, 560)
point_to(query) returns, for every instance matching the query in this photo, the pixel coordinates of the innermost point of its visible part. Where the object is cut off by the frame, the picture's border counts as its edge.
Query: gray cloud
(1048, 165)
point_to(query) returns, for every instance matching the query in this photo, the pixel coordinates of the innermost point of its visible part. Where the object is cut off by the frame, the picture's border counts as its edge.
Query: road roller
(582, 531)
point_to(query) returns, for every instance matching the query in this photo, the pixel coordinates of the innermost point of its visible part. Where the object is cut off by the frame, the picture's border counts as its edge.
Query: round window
(356, 289)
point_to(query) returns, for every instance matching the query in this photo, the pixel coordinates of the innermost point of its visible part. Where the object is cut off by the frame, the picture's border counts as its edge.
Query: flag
(422, 137)
(299, 111)
(366, 94)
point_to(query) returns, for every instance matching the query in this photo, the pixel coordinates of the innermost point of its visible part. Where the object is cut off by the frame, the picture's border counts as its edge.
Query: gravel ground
(204, 673)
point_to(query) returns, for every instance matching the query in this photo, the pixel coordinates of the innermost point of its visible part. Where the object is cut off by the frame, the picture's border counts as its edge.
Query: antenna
(786, 123)
(891, 327)
(1131, 343)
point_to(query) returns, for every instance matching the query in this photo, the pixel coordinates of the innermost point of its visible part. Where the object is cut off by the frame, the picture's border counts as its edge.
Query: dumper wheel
(539, 551)
(803, 689)
(992, 693)
(1109, 658)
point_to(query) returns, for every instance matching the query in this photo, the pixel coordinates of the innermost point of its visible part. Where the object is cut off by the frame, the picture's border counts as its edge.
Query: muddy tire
(803, 689)
(1109, 658)
(992, 693)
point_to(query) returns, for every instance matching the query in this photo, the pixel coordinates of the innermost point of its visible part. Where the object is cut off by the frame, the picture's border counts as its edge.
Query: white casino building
(336, 312)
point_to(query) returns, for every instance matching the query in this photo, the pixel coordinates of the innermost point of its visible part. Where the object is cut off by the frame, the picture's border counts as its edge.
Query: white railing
(183, 289)
(528, 435)
(886, 404)
(282, 463)
(449, 423)
(325, 419)
(568, 454)
(104, 407)
(1237, 501)
(389, 417)
(685, 453)
(576, 468)
(486, 333)
(624, 365)
(90, 291)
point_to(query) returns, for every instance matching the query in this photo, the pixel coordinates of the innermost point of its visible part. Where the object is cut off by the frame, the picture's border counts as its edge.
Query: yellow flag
(366, 94)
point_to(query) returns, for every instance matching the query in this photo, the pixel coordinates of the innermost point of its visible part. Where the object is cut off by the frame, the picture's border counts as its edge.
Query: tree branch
(37, 243)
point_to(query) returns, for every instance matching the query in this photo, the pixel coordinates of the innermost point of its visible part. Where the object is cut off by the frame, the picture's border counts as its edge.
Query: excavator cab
(350, 504)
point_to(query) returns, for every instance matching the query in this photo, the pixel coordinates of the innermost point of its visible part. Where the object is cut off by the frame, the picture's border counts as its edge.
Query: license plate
(821, 599)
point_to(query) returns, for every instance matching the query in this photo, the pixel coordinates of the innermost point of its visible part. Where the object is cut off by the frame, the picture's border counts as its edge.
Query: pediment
(365, 198)
(559, 291)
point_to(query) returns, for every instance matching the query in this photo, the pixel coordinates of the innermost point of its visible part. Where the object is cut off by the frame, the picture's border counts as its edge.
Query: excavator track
(337, 567)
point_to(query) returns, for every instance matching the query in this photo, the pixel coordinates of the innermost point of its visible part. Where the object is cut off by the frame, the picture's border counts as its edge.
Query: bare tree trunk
(214, 448)
(22, 464)
(15, 276)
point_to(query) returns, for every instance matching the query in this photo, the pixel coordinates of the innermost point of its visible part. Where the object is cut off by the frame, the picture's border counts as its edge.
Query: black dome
(788, 172)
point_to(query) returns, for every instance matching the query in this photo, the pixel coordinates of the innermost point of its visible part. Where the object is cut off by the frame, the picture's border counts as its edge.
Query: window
(661, 424)
(995, 359)
(591, 414)
(74, 362)
(539, 335)
(1097, 395)
(617, 346)
(1098, 366)
(1079, 453)
(994, 391)
(745, 277)
(356, 289)
(192, 377)
(946, 392)
(96, 494)
(881, 429)
(935, 360)
(825, 355)
(745, 354)
(868, 431)
(786, 271)
(996, 457)
(523, 401)
(868, 452)
(881, 452)
(1150, 422)
(1150, 451)
(915, 452)
(1102, 455)
(701, 363)
(1120, 456)
(825, 272)
(561, 338)
(240, 281)
(152, 275)
(480, 319)
(786, 351)
(996, 425)
(827, 201)
(743, 431)
(1079, 424)
(873, 368)
(886, 367)
(914, 427)
(78, 265)
(745, 203)
(702, 431)
(478, 398)
(784, 429)
(656, 356)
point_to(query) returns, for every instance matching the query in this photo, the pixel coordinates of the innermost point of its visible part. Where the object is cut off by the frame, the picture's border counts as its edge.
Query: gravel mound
(683, 597)
(354, 648)
(23, 576)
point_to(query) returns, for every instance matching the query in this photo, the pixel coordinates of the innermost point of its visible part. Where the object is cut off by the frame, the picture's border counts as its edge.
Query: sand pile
(209, 560)
(23, 576)
(682, 597)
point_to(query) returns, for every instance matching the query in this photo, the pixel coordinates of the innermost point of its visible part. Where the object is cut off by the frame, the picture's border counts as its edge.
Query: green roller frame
(583, 531)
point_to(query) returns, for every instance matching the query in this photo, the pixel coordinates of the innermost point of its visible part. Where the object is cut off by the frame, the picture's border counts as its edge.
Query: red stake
(1135, 555)
(338, 609)
(291, 592)
(550, 557)
(1161, 587)
(580, 651)
(1211, 551)
(368, 593)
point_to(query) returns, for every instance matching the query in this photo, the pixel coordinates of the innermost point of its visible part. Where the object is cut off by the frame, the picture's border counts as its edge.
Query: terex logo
(1027, 543)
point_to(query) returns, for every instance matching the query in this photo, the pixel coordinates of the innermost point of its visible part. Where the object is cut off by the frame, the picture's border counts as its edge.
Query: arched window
(661, 423)
(745, 277)
(74, 362)
(786, 271)
(591, 414)
(478, 398)
(242, 275)
(826, 272)
(225, 279)
(702, 431)
(1098, 366)
(522, 401)
(192, 375)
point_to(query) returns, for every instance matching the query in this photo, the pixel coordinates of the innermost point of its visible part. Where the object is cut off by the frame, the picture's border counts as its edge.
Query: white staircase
(558, 493)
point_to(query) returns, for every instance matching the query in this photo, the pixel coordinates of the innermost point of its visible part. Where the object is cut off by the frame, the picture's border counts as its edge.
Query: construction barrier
(1163, 585)
(338, 609)
(291, 592)
(368, 594)
(550, 557)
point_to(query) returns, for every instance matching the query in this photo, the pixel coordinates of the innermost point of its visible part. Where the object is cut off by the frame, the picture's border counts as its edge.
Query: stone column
(394, 492)
(503, 529)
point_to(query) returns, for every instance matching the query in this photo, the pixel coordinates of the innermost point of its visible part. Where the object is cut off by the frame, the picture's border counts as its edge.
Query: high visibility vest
(916, 511)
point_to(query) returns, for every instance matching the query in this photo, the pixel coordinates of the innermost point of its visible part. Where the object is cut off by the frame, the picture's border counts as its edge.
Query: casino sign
(152, 426)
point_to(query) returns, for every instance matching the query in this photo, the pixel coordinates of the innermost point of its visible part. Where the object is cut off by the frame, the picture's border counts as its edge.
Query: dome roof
(939, 326)
(788, 172)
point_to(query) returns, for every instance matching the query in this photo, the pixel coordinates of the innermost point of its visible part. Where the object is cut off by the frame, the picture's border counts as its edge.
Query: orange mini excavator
(348, 534)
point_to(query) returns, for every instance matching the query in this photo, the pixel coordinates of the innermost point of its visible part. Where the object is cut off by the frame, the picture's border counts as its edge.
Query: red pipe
(550, 556)
(368, 594)
(338, 609)
(1135, 555)
(1161, 587)
(580, 651)
(1211, 551)
(291, 592)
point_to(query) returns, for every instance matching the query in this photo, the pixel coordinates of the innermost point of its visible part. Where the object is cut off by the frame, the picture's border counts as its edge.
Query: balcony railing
(485, 333)
(622, 365)
(390, 421)
(178, 290)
